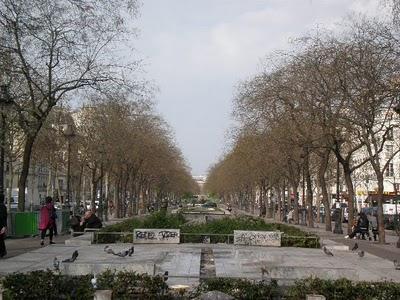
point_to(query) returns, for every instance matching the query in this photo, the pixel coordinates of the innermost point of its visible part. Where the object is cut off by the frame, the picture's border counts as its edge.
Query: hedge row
(292, 237)
(129, 285)
(341, 289)
(47, 285)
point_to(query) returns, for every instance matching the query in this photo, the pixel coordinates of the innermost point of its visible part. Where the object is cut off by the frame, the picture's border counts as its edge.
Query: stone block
(156, 236)
(257, 238)
(103, 295)
(315, 297)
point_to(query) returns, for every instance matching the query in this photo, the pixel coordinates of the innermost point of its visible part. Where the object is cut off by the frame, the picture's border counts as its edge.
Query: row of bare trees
(122, 154)
(329, 101)
(53, 52)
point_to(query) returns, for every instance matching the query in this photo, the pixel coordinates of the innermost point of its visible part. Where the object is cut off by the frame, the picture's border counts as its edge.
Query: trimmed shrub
(344, 289)
(239, 288)
(292, 236)
(131, 285)
(46, 285)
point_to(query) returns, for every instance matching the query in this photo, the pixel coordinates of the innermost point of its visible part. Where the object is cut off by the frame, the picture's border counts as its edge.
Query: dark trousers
(43, 233)
(2, 246)
(363, 231)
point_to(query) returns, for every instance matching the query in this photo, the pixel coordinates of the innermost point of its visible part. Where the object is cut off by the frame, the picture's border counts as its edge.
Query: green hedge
(130, 285)
(46, 285)
(239, 288)
(341, 289)
(344, 289)
(293, 237)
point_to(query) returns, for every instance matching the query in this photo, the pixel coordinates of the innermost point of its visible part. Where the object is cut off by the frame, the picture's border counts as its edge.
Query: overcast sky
(196, 52)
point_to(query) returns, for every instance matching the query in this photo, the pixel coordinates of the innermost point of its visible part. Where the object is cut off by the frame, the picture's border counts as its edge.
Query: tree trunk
(295, 204)
(25, 171)
(280, 197)
(310, 216)
(350, 192)
(11, 183)
(94, 189)
(381, 223)
(323, 165)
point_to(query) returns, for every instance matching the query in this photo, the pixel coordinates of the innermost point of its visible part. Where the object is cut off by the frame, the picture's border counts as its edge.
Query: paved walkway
(17, 246)
(387, 251)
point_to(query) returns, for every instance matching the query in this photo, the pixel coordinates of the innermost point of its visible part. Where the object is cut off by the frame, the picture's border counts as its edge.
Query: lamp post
(5, 100)
(69, 133)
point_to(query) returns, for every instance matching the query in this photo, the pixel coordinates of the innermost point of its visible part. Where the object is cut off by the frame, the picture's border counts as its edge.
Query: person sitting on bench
(361, 227)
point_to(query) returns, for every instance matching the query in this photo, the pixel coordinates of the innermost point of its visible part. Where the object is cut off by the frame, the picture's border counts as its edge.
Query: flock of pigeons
(108, 250)
(360, 254)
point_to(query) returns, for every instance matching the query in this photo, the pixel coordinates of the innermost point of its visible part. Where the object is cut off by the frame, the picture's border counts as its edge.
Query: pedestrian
(373, 225)
(90, 220)
(47, 220)
(53, 216)
(361, 227)
(3, 227)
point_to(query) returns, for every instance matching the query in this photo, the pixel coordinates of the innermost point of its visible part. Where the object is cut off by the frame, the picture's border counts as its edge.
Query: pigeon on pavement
(355, 247)
(361, 253)
(264, 271)
(108, 250)
(396, 264)
(125, 253)
(73, 258)
(165, 276)
(56, 264)
(327, 252)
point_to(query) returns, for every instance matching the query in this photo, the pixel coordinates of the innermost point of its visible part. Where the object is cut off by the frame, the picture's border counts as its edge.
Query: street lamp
(69, 133)
(5, 100)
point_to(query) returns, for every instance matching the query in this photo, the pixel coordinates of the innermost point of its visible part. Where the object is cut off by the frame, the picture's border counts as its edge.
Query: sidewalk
(17, 246)
(387, 251)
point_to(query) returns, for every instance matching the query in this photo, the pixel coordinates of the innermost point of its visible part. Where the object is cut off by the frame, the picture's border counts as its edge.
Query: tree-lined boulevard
(85, 154)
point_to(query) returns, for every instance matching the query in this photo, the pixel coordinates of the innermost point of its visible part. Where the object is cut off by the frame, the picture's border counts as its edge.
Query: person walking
(3, 227)
(47, 220)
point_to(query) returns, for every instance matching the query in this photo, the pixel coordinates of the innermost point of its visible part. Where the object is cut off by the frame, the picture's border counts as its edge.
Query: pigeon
(396, 264)
(361, 253)
(355, 247)
(263, 272)
(327, 252)
(93, 281)
(108, 250)
(165, 276)
(125, 253)
(56, 264)
(73, 258)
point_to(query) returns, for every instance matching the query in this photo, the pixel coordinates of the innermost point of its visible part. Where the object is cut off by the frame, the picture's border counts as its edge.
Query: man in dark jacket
(90, 220)
(3, 227)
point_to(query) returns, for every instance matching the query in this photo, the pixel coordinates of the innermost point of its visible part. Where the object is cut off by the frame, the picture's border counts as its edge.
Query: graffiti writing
(257, 238)
(156, 236)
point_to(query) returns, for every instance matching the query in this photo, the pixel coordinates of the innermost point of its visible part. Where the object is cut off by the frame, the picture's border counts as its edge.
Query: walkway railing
(103, 237)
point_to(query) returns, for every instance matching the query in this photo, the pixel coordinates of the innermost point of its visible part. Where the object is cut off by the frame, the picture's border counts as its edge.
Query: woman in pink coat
(47, 220)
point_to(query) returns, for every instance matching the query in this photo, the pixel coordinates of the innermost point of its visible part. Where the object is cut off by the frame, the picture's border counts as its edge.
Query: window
(390, 170)
(389, 134)
(389, 151)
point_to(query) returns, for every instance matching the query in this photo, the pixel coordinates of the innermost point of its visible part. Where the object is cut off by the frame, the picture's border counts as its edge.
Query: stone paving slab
(296, 263)
(150, 259)
(182, 261)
